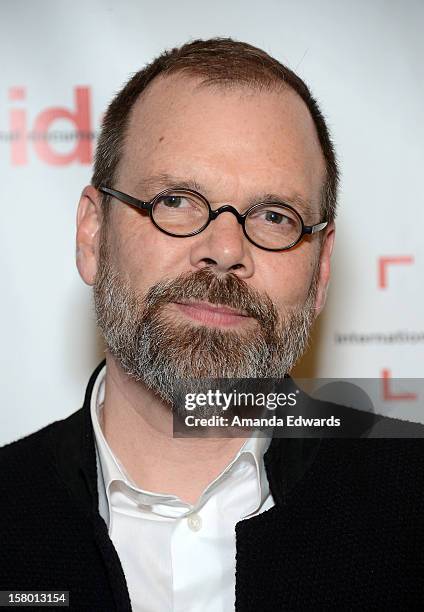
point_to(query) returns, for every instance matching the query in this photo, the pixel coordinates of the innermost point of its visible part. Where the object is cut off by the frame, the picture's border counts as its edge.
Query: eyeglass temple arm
(125, 198)
(313, 229)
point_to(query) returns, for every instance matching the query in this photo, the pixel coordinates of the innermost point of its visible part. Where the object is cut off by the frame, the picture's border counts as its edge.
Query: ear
(89, 218)
(324, 267)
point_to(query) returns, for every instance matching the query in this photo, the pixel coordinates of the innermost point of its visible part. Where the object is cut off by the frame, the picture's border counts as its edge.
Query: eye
(174, 201)
(275, 217)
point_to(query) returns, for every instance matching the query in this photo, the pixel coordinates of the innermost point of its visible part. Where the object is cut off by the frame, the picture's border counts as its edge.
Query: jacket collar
(286, 459)
(75, 452)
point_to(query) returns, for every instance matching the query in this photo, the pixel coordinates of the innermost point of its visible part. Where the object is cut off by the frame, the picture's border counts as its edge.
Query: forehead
(235, 141)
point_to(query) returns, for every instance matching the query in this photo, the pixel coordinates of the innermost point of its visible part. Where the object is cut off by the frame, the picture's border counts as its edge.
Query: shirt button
(194, 522)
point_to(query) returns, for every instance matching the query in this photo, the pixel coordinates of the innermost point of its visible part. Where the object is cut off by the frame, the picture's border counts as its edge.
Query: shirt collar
(253, 450)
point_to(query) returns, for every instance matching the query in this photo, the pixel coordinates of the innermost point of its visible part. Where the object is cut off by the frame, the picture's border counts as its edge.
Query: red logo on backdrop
(390, 394)
(43, 139)
(385, 262)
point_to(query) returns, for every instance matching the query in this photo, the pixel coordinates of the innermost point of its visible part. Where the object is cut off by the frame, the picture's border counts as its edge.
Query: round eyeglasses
(183, 212)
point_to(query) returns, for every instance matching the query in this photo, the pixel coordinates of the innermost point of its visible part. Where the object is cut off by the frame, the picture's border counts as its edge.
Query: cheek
(142, 253)
(287, 278)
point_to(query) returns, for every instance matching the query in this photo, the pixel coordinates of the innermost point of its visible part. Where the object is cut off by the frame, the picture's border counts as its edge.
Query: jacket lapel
(75, 459)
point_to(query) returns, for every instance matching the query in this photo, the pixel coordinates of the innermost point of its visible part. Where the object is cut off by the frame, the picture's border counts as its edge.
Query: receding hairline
(203, 82)
(231, 85)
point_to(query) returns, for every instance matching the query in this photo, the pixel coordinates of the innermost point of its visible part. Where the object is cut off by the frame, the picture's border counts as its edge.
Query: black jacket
(346, 531)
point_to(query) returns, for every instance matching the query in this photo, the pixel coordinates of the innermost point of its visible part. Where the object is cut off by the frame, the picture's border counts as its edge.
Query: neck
(138, 427)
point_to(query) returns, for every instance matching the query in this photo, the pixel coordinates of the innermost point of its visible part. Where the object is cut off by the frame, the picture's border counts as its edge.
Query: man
(207, 234)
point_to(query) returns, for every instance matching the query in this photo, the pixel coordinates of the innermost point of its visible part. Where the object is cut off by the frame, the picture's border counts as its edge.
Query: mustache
(205, 285)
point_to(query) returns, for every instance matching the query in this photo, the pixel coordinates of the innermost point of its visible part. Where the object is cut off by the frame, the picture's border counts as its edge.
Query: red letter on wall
(81, 120)
(18, 127)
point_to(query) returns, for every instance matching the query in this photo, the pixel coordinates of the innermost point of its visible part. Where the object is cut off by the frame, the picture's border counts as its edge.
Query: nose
(223, 246)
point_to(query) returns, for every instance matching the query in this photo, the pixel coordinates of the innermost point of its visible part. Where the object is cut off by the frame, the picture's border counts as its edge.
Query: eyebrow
(153, 184)
(162, 181)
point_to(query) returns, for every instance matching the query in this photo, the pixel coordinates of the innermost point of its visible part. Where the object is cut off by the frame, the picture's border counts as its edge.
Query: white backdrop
(61, 64)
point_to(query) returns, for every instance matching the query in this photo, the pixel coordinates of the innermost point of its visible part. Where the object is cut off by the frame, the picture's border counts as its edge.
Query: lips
(214, 308)
(212, 314)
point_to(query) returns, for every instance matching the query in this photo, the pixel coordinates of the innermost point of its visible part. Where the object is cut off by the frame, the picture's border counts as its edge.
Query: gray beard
(164, 354)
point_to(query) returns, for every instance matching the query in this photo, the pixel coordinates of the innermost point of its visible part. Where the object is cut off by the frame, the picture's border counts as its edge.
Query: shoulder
(30, 459)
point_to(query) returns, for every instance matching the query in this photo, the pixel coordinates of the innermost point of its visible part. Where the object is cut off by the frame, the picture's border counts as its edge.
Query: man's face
(235, 146)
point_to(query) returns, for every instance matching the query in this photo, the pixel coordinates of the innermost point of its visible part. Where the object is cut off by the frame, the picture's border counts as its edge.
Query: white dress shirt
(178, 557)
